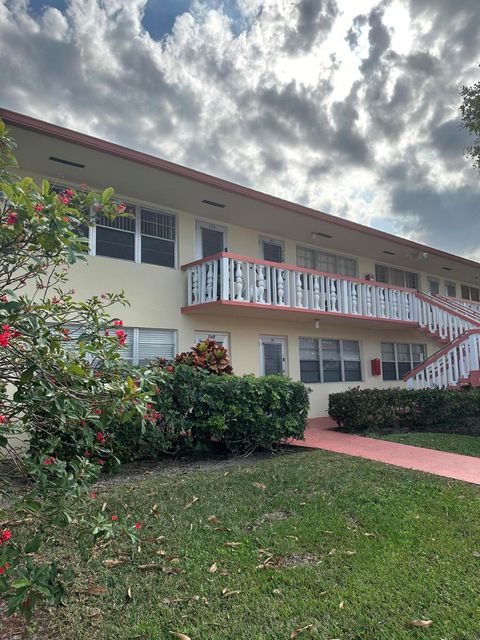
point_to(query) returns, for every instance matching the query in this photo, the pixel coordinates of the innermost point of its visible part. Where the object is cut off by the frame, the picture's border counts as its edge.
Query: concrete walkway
(319, 435)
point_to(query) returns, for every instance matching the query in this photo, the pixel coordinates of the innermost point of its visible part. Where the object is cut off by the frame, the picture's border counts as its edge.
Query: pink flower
(5, 535)
(4, 299)
(38, 207)
(3, 419)
(121, 207)
(118, 323)
(92, 495)
(49, 460)
(114, 518)
(122, 337)
(12, 217)
(138, 525)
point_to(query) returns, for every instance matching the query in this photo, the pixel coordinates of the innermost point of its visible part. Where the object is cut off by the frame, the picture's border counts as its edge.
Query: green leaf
(33, 545)
(107, 194)
(20, 583)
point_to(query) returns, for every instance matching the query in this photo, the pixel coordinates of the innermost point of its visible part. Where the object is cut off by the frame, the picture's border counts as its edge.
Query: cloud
(352, 113)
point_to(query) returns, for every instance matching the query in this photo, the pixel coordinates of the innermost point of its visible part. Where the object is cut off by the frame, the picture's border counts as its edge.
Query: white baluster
(209, 282)
(407, 306)
(395, 304)
(195, 285)
(354, 298)
(280, 287)
(316, 292)
(382, 302)
(333, 296)
(238, 281)
(369, 299)
(298, 289)
(260, 295)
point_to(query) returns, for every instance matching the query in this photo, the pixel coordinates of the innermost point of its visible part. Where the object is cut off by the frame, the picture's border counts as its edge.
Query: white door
(273, 355)
(210, 239)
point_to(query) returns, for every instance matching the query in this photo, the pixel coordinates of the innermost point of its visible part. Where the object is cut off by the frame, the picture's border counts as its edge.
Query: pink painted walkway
(319, 435)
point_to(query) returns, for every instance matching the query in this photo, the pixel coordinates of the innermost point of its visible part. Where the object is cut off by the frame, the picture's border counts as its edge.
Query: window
(116, 238)
(272, 250)
(221, 338)
(158, 234)
(397, 277)
(83, 230)
(470, 293)
(141, 345)
(273, 358)
(143, 236)
(433, 286)
(451, 289)
(326, 262)
(398, 359)
(325, 360)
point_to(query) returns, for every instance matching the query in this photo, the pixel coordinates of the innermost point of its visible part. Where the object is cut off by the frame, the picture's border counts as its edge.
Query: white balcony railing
(228, 277)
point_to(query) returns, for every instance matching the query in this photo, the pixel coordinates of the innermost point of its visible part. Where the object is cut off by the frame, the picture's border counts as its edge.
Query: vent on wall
(214, 204)
(69, 162)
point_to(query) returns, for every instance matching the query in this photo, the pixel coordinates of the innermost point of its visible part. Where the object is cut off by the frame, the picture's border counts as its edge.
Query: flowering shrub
(62, 381)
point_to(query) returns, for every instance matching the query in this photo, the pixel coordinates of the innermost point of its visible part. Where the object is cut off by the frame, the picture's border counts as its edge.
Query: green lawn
(356, 549)
(467, 445)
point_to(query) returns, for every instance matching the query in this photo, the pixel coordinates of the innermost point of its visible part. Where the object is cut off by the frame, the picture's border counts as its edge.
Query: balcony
(241, 284)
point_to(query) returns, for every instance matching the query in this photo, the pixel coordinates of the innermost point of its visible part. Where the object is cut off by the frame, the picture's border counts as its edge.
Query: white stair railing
(449, 367)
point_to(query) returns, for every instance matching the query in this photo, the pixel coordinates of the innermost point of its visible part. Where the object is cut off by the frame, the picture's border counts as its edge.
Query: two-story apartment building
(286, 288)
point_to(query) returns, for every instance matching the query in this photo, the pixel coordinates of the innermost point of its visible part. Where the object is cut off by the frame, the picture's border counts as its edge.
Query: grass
(466, 445)
(358, 550)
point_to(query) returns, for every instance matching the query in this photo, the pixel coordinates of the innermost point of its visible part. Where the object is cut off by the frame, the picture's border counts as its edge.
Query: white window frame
(136, 332)
(275, 241)
(329, 253)
(450, 283)
(205, 224)
(431, 279)
(138, 236)
(396, 361)
(274, 340)
(342, 360)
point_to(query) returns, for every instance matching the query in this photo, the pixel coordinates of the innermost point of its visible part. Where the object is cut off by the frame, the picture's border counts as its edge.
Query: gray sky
(349, 106)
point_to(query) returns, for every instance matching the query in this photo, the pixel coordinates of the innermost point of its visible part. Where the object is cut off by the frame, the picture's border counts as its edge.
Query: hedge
(246, 413)
(444, 410)
(242, 413)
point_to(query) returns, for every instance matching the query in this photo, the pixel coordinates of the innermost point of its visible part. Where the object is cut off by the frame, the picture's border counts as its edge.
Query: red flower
(66, 219)
(4, 568)
(101, 462)
(87, 454)
(114, 518)
(5, 535)
(107, 333)
(4, 299)
(49, 460)
(12, 217)
(121, 207)
(118, 323)
(97, 411)
(69, 193)
(3, 418)
(122, 337)
(169, 368)
(38, 207)
(138, 525)
(100, 437)
(92, 495)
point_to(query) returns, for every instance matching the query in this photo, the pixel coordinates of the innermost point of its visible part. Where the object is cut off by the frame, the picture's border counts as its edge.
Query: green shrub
(444, 410)
(246, 413)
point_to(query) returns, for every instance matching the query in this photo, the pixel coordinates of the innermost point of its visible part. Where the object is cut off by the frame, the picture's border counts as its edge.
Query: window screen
(326, 360)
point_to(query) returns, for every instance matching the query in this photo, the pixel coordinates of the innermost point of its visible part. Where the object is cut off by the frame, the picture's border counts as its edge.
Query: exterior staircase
(456, 323)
